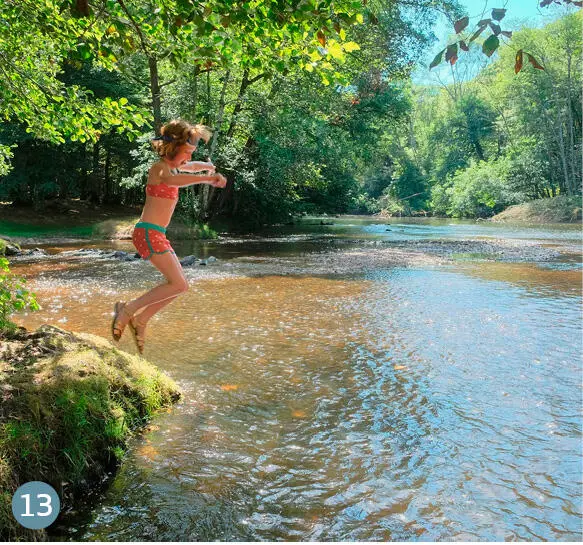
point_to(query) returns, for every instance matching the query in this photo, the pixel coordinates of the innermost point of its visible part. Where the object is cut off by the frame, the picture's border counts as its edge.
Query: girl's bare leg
(144, 315)
(140, 321)
(176, 284)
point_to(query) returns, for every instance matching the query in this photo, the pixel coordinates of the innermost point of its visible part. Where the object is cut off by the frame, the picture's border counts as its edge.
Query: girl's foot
(139, 333)
(121, 317)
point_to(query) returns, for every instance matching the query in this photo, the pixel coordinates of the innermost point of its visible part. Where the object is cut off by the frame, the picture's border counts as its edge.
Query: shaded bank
(77, 219)
(70, 402)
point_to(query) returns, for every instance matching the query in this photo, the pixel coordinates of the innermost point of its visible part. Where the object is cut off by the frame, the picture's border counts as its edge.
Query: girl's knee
(182, 286)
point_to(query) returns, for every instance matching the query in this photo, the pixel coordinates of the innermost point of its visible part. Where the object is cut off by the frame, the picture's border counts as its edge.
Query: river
(365, 379)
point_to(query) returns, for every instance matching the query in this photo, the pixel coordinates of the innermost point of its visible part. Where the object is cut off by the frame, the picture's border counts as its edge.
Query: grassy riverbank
(70, 402)
(560, 209)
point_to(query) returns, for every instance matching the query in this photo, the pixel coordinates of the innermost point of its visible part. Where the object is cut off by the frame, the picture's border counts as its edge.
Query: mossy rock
(115, 229)
(70, 403)
(8, 248)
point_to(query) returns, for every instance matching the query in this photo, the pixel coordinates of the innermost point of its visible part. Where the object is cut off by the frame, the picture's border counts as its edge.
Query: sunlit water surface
(429, 402)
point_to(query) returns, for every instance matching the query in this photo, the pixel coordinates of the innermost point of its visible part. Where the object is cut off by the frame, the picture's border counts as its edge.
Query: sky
(519, 13)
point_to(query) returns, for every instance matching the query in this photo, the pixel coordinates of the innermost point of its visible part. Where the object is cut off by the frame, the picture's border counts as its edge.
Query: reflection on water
(534, 278)
(405, 403)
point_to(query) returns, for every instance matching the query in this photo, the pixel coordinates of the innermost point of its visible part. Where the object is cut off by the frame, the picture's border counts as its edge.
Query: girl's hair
(176, 133)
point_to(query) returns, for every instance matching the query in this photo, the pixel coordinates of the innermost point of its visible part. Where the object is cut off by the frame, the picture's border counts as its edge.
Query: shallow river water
(355, 381)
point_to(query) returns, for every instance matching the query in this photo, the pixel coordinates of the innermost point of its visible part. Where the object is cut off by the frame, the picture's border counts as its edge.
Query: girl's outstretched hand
(220, 181)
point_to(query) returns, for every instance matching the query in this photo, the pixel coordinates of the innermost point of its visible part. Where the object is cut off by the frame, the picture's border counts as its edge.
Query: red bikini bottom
(150, 239)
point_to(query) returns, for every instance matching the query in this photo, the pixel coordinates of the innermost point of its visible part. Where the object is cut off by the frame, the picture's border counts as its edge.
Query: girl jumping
(174, 170)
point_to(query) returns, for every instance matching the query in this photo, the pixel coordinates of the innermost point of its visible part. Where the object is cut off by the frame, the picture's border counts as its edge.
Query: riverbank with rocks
(333, 256)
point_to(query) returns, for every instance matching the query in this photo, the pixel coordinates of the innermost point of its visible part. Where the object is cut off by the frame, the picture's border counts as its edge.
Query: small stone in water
(189, 260)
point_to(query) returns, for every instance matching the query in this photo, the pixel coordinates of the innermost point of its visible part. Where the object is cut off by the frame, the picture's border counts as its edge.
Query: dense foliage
(500, 138)
(310, 101)
(14, 297)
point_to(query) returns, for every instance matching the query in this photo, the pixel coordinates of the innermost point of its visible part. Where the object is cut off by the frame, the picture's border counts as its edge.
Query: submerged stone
(189, 260)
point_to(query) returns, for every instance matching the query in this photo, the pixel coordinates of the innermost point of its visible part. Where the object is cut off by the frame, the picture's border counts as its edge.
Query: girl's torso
(161, 201)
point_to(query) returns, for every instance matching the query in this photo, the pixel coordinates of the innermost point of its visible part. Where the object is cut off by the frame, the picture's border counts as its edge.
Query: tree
(35, 40)
(544, 106)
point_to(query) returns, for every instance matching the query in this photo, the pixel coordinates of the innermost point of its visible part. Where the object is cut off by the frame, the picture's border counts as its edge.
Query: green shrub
(13, 297)
(364, 204)
(481, 190)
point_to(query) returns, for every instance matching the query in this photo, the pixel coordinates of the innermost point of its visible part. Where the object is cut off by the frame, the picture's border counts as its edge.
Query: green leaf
(351, 46)
(437, 59)
(335, 51)
(490, 45)
(84, 51)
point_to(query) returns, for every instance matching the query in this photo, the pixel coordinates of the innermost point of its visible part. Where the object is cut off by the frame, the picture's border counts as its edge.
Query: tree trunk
(209, 103)
(107, 179)
(93, 192)
(155, 91)
(192, 188)
(208, 191)
(563, 155)
(228, 193)
(478, 148)
(245, 83)
(84, 175)
(238, 103)
(570, 123)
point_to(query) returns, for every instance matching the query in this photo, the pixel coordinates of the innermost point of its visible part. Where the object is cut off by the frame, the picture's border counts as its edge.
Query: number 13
(46, 504)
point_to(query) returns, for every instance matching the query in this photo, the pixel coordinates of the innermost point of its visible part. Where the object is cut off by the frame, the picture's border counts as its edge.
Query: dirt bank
(560, 209)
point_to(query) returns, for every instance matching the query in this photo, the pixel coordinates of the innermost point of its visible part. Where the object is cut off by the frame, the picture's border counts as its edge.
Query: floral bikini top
(162, 190)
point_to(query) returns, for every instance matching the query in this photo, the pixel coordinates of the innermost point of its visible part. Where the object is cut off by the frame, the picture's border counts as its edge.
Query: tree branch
(138, 30)
(168, 83)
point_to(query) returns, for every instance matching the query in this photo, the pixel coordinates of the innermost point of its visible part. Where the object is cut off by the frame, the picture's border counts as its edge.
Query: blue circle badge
(35, 505)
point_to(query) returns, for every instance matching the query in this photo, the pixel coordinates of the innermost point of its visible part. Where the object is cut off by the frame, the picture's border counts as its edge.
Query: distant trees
(508, 137)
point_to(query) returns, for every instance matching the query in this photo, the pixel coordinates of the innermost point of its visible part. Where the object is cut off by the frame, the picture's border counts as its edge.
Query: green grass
(70, 413)
(13, 229)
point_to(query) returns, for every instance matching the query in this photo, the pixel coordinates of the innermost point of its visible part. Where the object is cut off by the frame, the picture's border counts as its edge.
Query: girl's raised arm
(197, 166)
(164, 174)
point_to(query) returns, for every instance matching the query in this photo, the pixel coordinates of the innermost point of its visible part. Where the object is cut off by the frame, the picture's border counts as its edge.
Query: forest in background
(312, 106)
